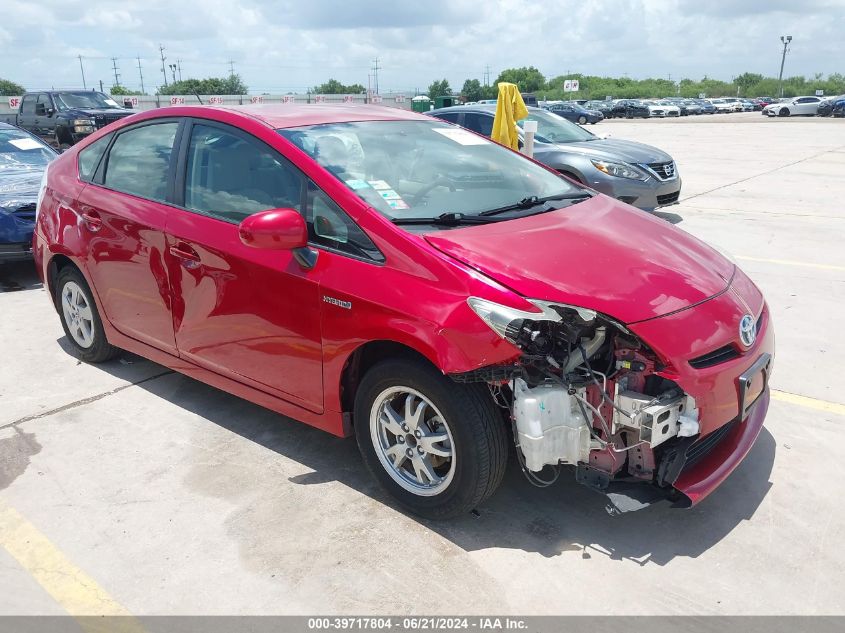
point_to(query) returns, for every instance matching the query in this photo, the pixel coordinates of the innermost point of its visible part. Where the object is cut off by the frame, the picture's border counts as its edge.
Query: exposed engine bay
(587, 393)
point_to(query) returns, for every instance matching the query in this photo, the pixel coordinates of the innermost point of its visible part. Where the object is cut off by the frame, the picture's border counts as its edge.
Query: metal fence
(148, 102)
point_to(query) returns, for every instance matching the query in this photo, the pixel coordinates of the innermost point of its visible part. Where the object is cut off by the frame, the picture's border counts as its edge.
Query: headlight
(620, 170)
(83, 126)
(500, 317)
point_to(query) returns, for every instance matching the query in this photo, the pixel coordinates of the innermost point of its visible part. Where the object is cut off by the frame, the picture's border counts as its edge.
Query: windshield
(18, 150)
(552, 128)
(423, 169)
(95, 100)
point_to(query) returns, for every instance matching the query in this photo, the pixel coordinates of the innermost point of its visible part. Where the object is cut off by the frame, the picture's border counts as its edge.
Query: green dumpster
(446, 101)
(421, 103)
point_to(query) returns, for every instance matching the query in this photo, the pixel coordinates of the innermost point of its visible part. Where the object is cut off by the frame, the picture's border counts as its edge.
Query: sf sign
(14, 102)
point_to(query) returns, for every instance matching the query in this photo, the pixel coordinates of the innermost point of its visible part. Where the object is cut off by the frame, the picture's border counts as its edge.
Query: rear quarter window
(89, 158)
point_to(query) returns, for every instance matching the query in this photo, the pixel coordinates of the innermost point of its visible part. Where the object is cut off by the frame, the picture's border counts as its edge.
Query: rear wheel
(582, 119)
(438, 447)
(80, 319)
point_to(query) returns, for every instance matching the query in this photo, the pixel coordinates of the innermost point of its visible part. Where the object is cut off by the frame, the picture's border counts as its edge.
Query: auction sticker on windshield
(461, 136)
(25, 143)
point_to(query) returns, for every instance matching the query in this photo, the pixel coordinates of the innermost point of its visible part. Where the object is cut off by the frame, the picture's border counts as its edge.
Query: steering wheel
(420, 195)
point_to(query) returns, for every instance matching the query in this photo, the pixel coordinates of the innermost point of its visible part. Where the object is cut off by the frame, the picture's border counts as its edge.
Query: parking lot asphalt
(127, 488)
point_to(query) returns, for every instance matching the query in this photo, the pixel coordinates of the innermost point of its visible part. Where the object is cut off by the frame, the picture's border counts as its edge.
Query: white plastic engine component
(550, 426)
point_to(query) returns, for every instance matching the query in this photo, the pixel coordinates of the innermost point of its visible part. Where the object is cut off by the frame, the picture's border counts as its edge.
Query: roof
(280, 115)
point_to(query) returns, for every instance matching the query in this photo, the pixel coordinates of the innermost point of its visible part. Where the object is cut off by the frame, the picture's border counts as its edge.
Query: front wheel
(80, 319)
(784, 112)
(438, 447)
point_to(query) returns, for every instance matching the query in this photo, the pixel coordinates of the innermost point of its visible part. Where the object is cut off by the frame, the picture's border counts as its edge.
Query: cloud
(290, 45)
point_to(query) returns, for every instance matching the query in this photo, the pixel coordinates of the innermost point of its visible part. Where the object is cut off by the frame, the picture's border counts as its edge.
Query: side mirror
(274, 229)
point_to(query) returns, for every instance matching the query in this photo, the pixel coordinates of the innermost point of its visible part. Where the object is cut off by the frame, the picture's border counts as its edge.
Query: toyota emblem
(747, 330)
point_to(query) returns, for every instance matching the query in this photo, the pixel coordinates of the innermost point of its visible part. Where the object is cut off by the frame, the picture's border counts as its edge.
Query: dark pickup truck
(63, 117)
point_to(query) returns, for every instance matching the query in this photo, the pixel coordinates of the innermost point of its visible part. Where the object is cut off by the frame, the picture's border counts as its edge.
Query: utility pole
(82, 70)
(179, 68)
(101, 85)
(116, 74)
(487, 75)
(163, 71)
(141, 73)
(231, 68)
(173, 71)
(376, 68)
(786, 39)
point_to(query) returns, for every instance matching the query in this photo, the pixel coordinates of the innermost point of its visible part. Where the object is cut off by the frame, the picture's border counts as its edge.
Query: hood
(598, 254)
(612, 149)
(19, 186)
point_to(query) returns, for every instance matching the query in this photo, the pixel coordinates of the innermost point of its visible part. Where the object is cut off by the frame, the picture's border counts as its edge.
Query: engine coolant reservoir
(550, 426)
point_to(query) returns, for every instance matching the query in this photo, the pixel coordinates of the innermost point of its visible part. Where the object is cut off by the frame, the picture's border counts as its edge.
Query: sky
(282, 46)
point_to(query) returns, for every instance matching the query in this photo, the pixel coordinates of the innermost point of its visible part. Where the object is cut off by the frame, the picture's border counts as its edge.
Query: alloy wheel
(76, 309)
(412, 440)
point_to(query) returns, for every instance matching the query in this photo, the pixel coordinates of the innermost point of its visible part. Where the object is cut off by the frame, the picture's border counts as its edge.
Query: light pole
(786, 39)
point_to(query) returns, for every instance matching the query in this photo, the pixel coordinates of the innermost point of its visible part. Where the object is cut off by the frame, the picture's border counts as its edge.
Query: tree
(528, 79)
(10, 88)
(231, 85)
(746, 80)
(120, 91)
(472, 90)
(439, 88)
(334, 87)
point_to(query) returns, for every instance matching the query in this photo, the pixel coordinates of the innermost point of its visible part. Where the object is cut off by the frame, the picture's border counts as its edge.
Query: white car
(663, 109)
(721, 105)
(736, 104)
(797, 106)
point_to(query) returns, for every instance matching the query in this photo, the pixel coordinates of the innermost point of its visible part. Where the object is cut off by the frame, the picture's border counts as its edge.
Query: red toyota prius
(448, 301)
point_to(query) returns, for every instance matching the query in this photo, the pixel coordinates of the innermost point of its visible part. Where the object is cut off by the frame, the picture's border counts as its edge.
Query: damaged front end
(588, 393)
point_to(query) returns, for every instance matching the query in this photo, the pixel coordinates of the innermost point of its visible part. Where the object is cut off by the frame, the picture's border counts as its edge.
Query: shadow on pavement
(16, 276)
(564, 517)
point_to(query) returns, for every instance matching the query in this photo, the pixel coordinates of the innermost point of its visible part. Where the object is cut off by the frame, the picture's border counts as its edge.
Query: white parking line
(789, 262)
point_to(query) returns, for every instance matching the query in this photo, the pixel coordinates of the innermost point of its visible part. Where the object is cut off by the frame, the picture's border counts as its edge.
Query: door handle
(186, 255)
(92, 219)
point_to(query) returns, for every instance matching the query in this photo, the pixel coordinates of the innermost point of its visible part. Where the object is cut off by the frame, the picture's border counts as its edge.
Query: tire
(80, 318)
(582, 119)
(783, 112)
(473, 433)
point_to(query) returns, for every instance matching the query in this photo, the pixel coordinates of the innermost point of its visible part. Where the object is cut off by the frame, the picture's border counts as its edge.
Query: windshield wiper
(446, 219)
(533, 201)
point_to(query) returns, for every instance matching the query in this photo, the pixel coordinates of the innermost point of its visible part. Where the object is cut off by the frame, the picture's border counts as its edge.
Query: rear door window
(28, 104)
(139, 161)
